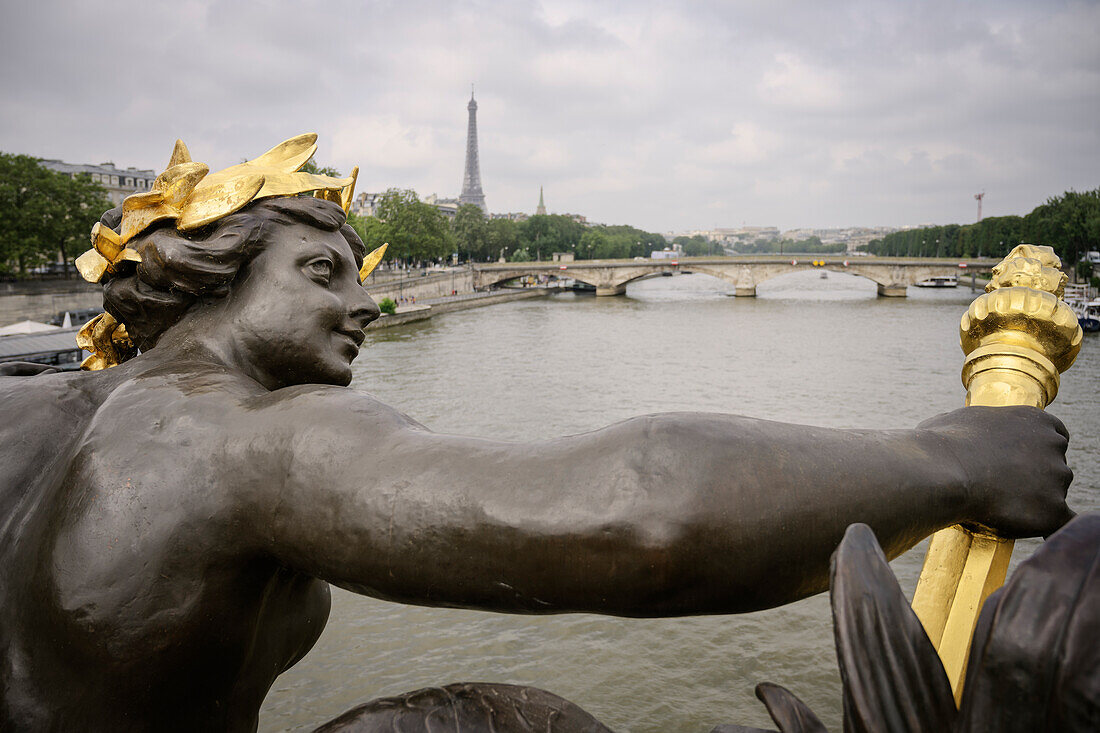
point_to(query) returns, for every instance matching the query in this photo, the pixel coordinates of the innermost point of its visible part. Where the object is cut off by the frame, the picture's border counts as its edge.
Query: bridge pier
(746, 284)
(893, 290)
(610, 290)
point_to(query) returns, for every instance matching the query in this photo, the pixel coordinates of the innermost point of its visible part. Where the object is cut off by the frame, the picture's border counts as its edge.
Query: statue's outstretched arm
(661, 515)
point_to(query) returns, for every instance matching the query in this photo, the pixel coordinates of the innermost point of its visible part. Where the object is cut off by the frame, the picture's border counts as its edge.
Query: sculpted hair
(179, 270)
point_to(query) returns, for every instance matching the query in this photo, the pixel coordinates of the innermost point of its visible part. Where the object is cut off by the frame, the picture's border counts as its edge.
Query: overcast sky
(666, 115)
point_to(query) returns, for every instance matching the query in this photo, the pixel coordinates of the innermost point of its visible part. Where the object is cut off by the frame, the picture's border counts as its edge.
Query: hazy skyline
(667, 116)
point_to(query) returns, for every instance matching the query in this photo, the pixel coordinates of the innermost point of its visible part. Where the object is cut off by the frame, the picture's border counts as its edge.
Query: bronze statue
(1034, 663)
(170, 525)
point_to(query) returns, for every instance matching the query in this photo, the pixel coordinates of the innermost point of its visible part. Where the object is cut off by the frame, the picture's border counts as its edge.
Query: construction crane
(979, 197)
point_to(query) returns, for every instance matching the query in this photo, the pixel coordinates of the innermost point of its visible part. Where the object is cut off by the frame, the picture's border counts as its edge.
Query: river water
(807, 350)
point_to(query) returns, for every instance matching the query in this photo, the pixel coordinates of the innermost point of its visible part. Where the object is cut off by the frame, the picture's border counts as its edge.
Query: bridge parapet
(892, 275)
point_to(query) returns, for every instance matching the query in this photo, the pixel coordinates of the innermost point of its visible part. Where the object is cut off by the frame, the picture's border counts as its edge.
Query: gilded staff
(1017, 337)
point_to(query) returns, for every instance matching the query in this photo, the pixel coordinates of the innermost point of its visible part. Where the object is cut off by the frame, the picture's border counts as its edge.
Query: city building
(366, 204)
(447, 207)
(851, 237)
(118, 183)
(541, 210)
(511, 216)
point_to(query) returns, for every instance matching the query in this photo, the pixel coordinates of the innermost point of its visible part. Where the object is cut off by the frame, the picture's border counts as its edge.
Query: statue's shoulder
(41, 417)
(62, 392)
(202, 398)
(338, 407)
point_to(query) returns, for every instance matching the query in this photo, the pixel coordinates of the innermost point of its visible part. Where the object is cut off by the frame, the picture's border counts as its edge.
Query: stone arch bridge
(892, 275)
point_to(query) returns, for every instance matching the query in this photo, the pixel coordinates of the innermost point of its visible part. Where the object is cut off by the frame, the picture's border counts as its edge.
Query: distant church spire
(542, 205)
(471, 179)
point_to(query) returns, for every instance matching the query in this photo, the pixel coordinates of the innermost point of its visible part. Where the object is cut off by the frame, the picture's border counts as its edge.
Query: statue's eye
(320, 270)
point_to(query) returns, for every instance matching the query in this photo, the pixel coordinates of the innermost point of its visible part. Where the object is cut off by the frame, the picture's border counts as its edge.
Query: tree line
(46, 216)
(418, 232)
(810, 246)
(1069, 223)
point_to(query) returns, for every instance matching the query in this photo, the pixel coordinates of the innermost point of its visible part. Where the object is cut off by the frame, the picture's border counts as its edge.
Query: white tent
(27, 327)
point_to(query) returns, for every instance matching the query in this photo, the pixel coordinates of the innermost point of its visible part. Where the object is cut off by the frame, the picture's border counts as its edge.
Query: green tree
(1070, 223)
(415, 230)
(502, 238)
(471, 232)
(47, 215)
(321, 170)
(695, 246)
(638, 242)
(369, 228)
(544, 234)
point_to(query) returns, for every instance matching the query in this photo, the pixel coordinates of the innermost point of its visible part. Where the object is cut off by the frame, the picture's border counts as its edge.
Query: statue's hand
(1014, 459)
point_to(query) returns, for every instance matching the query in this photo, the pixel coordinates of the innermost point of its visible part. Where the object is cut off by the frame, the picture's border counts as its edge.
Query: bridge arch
(610, 277)
(889, 280)
(491, 279)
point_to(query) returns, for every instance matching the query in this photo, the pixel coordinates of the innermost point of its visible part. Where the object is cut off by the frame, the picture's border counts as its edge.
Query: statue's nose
(364, 310)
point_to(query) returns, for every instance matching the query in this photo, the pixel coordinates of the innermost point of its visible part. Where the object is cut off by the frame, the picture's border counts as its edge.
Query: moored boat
(1088, 314)
(1087, 310)
(939, 281)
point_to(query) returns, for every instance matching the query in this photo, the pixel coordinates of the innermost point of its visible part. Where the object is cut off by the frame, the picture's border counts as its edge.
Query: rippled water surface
(808, 350)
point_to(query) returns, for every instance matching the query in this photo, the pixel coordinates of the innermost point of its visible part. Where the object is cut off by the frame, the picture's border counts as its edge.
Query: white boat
(1086, 308)
(1088, 314)
(939, 281)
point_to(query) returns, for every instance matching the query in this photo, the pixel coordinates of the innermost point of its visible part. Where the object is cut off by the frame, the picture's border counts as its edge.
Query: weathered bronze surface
(468, 707)
(1035, 665)
(169, 526)
(1017, 338)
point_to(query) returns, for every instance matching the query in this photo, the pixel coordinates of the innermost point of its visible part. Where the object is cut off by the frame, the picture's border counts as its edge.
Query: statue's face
(297, 313)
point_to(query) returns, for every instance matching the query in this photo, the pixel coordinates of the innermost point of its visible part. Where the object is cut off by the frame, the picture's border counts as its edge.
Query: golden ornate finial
(1030, 266)
(371, 261)
(1018, 336)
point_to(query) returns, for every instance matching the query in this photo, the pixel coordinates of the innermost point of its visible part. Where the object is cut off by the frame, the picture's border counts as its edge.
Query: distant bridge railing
(610, 277)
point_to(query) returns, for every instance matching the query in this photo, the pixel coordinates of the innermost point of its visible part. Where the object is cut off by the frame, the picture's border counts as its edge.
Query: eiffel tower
(471, 179)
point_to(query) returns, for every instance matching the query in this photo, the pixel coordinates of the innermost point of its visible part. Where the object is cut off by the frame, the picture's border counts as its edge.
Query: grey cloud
(665, 115)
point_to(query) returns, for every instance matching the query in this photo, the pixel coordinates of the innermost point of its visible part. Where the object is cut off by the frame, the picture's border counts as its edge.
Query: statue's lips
(356, 336)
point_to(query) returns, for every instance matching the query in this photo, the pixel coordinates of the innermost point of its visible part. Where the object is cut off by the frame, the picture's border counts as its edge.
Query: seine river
(808, 350)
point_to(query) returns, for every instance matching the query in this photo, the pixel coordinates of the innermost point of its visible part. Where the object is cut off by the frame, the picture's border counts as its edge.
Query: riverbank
(450, 303)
